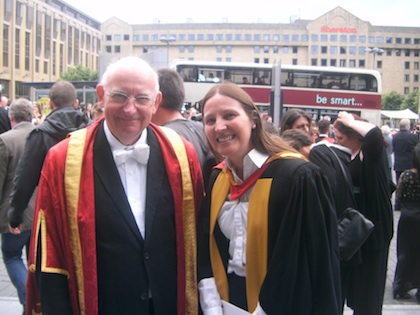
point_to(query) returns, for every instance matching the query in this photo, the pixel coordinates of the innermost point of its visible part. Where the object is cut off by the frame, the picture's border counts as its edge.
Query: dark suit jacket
(129, 266)
(403, 143)
(4, 120)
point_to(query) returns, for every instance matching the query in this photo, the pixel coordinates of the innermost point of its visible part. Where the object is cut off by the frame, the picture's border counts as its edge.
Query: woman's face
(344, 140)
(228, 128)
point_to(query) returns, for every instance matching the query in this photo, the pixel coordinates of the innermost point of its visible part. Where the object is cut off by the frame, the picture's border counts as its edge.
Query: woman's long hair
(416, 159)
(260, 139)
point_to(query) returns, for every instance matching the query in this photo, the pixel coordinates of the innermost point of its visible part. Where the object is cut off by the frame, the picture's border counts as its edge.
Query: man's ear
(100, 92)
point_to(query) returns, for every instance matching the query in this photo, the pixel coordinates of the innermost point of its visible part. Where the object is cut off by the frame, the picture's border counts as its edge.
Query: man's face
(130, 99)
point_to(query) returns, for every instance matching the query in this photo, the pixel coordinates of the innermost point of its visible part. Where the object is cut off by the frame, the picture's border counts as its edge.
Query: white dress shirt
(133, 178)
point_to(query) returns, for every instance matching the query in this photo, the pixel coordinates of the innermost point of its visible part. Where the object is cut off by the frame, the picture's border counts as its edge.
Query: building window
(353, 38)
(108, 49)
(379, 64)
(397, 52)
(219, 36)
(145, 37)
(200, 37)
(219, 49)
(219, 59)
(343, 38)
(416, 78)
(117, 49)
(333, 38)
(362, 39)
(343, 50)
(248, 37)
(352, 50)
(126, 37)
(228, 48)
(380, 39)
(181, 49)
(155, 37)
(182, 37)
(416, 65)
(314, 37)
(314, 62)
(406, 90)
(371, 39)
(362, 63)
(286, 38)
(333, 62)
(266, 60)
(352, 63)
(136, 38)
(285, 49)
(333, 50)
(416, 41)
(191, 37)
(276, 37)
(256, 60)
(257, 37)
(323, 62)
(304, 38)
(229, 37)
(324, 49)
(294, 61)
(389, 52)
(407, 52)
(117, 37)
(257, 49)
(343, 62)
(407, 41)
(406, 78)
(398, 40)
(314, 49)
(17, 48)
(324, 38)
(416, 53)
(267, 37)
(108, 38)
(276, 49)
(362, 50)
(145, 49)
(295, 38)
(191, 48)
(228, 59)
(389, 40)
(210, 37)
(295, 49)
(407, 65)
(238, 37)
(266, 49)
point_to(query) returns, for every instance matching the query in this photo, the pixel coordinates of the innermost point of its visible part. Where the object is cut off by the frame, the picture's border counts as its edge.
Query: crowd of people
(133, 206)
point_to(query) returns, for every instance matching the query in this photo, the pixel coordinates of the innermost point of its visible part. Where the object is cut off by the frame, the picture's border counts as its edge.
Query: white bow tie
(139, 153)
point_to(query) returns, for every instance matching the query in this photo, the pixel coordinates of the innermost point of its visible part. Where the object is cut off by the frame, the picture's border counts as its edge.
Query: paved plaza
(9, 304)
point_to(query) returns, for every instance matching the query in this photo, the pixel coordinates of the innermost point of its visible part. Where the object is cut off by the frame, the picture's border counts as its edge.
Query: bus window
(188, 73)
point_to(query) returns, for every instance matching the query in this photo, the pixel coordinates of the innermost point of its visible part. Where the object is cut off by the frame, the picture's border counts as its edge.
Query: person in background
(96, 112)
(268, 230)
(324, 131)
(4, 115)
(369, 173)
(407, 271)
(299, 140)
(386, 132)
(12, 143)
(116, 224)
(296, 119)
(57, 125)
(403, 143)
(38, 116)
(168, 114)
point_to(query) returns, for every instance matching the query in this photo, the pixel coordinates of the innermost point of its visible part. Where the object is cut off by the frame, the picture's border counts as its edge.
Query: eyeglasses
(122, 99)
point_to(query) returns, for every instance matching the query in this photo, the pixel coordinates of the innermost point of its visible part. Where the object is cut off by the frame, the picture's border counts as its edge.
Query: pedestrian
(324, 131)
(115, 223)
(4, 115)
(407, 272)
(268, 230)
(12, 143)
(403, 143)
(296, 119)
(369, 173)
(62, 120)
(168, 114)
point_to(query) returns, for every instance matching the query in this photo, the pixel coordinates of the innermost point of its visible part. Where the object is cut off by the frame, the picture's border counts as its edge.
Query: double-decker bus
(320, 91)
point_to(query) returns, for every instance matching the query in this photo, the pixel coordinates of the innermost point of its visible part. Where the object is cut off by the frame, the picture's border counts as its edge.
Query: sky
(377, 12)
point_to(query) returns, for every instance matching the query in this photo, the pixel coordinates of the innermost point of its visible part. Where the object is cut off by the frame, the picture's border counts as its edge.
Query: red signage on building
(328, 29)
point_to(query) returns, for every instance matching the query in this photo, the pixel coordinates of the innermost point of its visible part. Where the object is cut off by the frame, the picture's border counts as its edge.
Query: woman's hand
(345, 118)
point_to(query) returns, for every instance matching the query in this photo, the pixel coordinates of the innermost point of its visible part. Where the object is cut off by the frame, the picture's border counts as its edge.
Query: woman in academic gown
(268, 229)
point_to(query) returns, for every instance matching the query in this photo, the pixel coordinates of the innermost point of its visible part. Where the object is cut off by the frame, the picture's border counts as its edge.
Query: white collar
(115, 144)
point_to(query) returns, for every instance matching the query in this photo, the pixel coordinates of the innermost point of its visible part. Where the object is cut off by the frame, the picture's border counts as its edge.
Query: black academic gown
(303, 274)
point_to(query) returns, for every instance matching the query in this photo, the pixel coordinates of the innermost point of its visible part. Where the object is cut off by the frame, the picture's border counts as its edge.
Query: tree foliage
(392, 101)
(79, 73)
(411, 101)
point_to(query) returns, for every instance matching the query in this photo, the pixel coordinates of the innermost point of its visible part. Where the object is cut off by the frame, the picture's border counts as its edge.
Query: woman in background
(38, 116)
(267, 230)
(407, 272)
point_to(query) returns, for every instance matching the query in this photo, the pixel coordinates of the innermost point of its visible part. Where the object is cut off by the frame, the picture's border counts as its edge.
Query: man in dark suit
(403, 143)
(12, 143)
(116, 208)
(4, 115)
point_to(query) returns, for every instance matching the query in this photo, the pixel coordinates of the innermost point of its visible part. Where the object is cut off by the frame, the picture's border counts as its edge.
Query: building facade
(337, 38)
(40, 40)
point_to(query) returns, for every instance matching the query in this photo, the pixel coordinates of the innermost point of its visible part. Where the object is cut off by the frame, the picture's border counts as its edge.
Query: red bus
(320, 91)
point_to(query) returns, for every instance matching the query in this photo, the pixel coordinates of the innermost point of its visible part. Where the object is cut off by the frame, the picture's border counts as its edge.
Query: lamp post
(167, 40)
(375, 51)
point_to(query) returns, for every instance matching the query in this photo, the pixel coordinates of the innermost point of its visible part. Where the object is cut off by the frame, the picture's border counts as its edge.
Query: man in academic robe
(114, 228)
